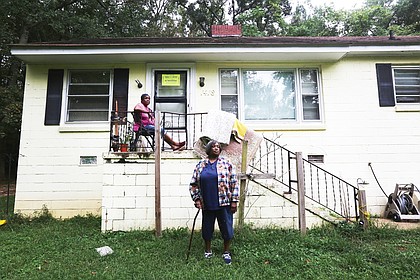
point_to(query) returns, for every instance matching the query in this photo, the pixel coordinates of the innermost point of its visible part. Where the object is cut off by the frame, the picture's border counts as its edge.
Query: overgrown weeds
(46, 248)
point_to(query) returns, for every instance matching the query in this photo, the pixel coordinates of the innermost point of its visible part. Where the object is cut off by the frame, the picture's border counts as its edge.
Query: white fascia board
(57, 55)
(354, 50)
(129, 50)
(104, 51)
(136, 54)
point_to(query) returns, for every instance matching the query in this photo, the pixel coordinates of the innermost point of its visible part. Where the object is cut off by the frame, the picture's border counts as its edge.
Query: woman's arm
(195, 184)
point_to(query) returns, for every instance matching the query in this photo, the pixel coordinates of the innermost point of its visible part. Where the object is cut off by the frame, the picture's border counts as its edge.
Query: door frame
(191, 77)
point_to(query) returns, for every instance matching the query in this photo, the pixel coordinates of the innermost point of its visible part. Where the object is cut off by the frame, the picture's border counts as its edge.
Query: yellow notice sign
(171, 80)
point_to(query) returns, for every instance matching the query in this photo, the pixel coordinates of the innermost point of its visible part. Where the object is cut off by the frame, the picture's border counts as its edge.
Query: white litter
(103, 251)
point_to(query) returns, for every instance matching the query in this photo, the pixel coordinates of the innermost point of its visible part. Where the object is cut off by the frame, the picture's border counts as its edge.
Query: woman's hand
(198, 204)
(233, 207)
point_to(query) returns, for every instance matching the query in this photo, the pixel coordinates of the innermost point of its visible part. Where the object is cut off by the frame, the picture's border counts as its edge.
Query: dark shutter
(54, 93)
(385, 85)
(120, 89)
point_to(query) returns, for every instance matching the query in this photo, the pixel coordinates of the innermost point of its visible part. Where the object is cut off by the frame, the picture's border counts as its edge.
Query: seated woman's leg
(174, 145)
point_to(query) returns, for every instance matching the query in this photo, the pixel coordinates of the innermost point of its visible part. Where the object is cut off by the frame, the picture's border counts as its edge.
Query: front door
(171, 91)
(170, 98)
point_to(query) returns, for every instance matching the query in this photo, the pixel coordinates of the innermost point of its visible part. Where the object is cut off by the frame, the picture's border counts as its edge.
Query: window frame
(394, 68)
(65, 112)
(238, 84)
(299, 120)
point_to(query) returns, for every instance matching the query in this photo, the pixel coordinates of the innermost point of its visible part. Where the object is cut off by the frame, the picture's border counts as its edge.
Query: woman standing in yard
(214, 189)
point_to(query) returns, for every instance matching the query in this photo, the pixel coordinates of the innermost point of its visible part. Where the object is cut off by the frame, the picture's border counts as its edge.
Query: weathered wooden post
(301, 193)
(242, 191)
(364, 215)
(158, 212)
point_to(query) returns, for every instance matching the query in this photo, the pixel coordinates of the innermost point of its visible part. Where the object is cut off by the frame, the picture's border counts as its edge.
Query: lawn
(46, 248)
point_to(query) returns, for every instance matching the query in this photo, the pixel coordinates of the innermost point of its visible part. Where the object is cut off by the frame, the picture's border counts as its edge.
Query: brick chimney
(226, 30)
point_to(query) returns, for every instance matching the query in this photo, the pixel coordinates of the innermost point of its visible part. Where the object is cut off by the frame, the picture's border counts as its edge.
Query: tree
(379, 17)
(260, 17)
(148, 18)
(373, 20)
(198, 16)
(257, 17)
(407, 16)
(324, 21)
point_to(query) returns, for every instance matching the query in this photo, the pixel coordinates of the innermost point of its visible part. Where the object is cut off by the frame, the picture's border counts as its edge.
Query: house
(343, 102)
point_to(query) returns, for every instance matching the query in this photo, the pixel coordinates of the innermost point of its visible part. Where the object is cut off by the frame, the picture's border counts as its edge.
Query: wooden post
(363, 209)
(301, 193)
(242, 193)
(158, 214)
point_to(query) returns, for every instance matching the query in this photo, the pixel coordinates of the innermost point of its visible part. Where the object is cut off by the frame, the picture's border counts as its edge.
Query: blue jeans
(151, 129)
(224, 219)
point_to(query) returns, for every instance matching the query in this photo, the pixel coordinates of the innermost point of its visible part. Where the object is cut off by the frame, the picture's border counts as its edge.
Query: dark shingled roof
(231, 42)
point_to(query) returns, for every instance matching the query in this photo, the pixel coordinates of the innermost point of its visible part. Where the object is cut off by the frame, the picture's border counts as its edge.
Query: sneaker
(208, 255)
(227, 258)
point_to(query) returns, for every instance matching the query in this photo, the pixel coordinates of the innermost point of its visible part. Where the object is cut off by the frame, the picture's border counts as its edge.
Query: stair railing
(325, 190)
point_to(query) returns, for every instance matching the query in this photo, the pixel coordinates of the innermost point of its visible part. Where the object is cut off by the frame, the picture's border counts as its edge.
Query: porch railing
(180, 127)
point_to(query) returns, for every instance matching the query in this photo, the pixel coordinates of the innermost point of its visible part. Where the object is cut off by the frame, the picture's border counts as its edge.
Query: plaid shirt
(227, 180)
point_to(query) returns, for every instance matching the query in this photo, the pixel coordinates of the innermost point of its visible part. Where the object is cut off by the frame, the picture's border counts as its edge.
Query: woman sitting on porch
(147, 123)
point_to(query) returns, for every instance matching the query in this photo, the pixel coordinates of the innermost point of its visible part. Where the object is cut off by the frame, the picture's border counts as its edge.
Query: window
(88, 95)
(276, 95)
(229, 91)
(310, 94)
(398, 85)
(407, 85)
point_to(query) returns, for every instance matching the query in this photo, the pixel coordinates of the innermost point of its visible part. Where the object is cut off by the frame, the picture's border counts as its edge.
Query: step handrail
(321, 186)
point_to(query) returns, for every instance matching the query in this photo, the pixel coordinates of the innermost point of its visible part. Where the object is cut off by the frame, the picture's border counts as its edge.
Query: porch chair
(140, 131)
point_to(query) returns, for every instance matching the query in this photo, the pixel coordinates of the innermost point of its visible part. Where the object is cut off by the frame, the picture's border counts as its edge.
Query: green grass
(45, 248)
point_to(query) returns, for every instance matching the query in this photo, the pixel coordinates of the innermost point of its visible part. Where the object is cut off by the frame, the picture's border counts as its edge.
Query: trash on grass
(103, 251)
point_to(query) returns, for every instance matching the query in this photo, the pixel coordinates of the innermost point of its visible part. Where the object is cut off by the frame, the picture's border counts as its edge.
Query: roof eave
(78, 54)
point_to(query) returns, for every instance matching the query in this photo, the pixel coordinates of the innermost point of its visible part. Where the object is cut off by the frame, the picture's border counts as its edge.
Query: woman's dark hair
(210, 145)
(143, 96)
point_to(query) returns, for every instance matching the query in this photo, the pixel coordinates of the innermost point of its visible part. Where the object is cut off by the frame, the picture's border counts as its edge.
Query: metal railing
(180, 127)
(321, 187)
(7, 181)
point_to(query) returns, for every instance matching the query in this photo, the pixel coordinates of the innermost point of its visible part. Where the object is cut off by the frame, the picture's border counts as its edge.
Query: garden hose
(370, 165)
(405, 203)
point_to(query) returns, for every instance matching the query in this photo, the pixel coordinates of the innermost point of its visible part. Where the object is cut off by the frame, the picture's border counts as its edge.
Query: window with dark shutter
(385, 85)
(54, 93)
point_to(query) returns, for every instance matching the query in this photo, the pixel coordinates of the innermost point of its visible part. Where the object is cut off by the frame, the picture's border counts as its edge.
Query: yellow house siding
(49, 172)
(358, 131)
